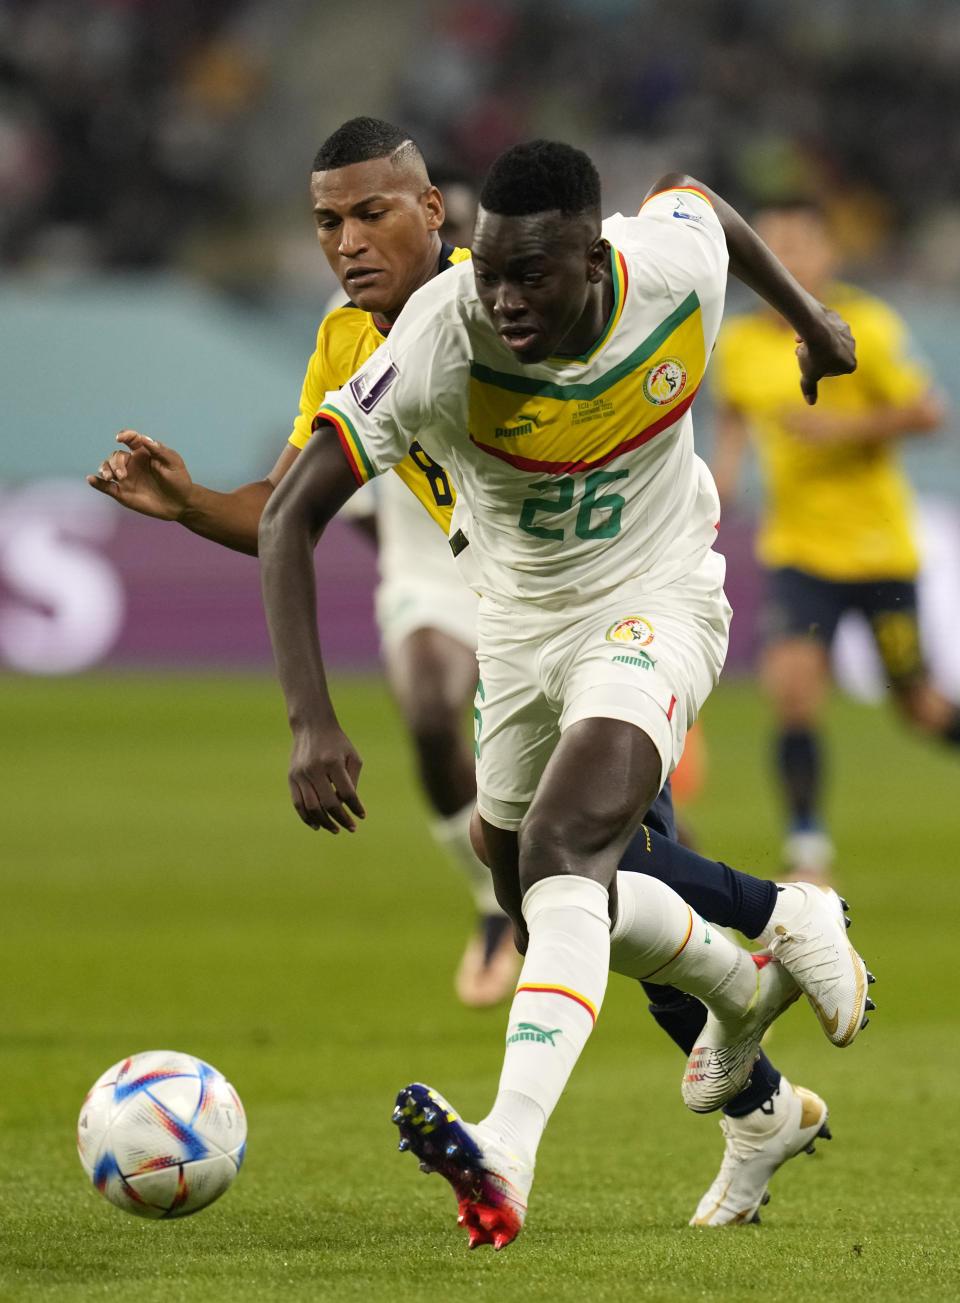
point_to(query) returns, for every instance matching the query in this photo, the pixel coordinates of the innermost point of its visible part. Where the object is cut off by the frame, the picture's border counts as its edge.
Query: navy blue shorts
(799, 605)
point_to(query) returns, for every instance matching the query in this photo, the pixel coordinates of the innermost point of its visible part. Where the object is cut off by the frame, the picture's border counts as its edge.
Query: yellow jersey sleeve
(346, 338)
(311, 396)
(891, 370)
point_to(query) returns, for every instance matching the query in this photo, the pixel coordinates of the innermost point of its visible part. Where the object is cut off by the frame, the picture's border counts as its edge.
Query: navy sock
(682, 1017)
(763, 1084)
(800, 766)
(723, 896)
(718, 893)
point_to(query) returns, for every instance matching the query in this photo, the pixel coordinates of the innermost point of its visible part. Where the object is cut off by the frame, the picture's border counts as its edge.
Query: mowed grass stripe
(159, 891)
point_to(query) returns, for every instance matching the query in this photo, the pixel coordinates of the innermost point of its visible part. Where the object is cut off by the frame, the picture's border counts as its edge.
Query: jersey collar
(618, 269)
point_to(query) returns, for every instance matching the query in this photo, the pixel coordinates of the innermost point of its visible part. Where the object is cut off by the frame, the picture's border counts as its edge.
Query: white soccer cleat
(491, 1185)
(758, 1144)
(807, 933)
(721, 1062)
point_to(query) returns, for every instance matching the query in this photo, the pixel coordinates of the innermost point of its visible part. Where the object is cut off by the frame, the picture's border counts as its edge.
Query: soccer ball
(161, 1134)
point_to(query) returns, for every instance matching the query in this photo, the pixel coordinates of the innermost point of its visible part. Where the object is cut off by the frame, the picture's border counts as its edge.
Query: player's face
(800, 239)
(377, 226)
(541, 279)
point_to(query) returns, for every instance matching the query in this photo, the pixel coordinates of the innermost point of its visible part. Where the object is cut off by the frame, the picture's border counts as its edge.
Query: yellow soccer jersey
(347, 337)
(838, 510)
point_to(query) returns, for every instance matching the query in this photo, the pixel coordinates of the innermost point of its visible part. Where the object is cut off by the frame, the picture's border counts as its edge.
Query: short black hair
(359, 140)
(539, 176)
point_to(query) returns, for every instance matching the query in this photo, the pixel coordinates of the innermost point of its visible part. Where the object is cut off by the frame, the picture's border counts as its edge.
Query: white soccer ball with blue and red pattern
(162, 1134)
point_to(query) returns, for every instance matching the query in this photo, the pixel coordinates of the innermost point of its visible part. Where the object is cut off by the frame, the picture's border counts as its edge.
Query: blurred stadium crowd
(155, 238)
(152, 133)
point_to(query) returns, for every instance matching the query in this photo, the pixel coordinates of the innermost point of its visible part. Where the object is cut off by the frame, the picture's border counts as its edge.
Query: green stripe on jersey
(354, 439)
(586, 392)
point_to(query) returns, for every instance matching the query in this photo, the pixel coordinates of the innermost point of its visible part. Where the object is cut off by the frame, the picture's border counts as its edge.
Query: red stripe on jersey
(567, 467)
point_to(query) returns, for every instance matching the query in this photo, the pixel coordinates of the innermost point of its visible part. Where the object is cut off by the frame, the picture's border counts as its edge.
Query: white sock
(790, 900)
(658, 938)
(561, 988)
(452, 833)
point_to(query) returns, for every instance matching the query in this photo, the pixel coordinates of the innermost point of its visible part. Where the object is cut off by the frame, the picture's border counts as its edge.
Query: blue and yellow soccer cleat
(490, 1184)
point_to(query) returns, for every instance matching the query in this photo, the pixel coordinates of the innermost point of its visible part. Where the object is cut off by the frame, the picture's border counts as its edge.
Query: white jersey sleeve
(412, 388)
(684, 250)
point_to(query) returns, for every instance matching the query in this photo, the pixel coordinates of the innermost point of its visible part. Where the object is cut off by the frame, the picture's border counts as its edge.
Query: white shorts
(649, 658)
(420, 586)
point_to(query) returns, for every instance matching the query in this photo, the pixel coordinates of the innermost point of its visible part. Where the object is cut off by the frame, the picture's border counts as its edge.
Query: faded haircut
(361, 139)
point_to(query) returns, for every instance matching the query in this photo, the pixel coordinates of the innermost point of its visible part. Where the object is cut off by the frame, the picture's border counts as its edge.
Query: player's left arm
(324, 766)
(825, 345)
(901, 396)
(879, 424)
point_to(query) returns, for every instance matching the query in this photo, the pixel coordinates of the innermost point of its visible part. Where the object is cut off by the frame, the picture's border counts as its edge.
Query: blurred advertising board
(84, 584)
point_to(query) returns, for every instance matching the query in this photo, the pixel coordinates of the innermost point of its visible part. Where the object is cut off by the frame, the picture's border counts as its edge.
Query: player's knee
(437, 736)
(922, 706)
(561, 842)
(795, 676)
(797, 704)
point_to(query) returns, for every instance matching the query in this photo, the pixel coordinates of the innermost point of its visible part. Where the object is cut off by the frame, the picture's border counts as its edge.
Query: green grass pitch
(159, 892)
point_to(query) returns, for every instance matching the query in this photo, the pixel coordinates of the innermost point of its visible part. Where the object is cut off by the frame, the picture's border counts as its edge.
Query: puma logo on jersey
(528, 419)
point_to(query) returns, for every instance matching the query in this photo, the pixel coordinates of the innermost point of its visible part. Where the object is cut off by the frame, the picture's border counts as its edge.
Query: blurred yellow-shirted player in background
(836, 530)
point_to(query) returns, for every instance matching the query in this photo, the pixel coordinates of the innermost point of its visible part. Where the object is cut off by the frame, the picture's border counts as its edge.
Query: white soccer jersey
(576, 473)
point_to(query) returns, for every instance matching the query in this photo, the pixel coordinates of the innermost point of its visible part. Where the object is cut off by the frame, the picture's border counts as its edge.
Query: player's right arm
(152, 479)
(825, 346)
(324, 766)
(359, 431)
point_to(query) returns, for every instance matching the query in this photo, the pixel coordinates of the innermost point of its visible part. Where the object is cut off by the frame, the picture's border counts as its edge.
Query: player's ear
(597, 256)
(432, 201)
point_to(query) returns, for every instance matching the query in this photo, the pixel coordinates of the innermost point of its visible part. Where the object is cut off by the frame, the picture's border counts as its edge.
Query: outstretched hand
(146, 476)
(830, 351)
(324, 770)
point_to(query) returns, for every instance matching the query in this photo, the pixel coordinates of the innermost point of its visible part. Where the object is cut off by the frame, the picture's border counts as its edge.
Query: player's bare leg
(923, 706)
(559, 868)
(433, 677)
(564, 920)
(796, 676)
(601, 778)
